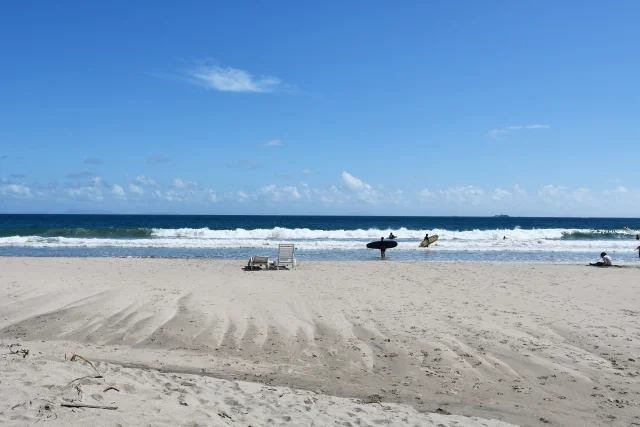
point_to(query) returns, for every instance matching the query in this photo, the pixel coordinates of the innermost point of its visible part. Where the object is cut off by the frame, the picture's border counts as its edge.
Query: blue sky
(417, 108)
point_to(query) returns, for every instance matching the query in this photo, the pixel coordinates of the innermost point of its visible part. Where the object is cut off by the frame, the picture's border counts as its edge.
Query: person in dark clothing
(383, 248)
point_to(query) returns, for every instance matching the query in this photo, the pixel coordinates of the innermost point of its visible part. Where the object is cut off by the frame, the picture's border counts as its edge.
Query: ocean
(461, 239)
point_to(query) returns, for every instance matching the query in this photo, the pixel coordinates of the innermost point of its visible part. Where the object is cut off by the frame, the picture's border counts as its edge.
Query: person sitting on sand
(383, 248)
(391, 236)
(606, 261)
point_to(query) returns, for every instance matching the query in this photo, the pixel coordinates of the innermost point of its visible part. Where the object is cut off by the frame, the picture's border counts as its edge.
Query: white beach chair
(259, 261)
(286, 255)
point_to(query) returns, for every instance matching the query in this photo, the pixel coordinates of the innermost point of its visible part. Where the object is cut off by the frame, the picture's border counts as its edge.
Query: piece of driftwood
(86, 405)
(110, 388)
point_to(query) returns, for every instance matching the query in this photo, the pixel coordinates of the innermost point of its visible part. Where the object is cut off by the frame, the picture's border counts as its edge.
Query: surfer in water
(391, 236)
(383, 248)
(638, 249)
(426, 239)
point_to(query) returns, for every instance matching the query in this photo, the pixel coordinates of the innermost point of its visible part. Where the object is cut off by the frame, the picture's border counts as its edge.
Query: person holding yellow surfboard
(428, 240)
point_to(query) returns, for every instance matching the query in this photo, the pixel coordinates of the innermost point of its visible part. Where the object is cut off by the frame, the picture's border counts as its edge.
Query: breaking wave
(498, 240)
(278, 233)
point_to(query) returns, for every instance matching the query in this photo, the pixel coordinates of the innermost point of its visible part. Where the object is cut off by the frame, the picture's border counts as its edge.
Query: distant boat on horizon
(501, 216)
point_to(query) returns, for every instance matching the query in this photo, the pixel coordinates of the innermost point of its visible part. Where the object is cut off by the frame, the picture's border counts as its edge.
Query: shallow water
(461, 239)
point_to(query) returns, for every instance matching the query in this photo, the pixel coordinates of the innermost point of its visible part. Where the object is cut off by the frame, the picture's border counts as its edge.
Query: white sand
(195, 342)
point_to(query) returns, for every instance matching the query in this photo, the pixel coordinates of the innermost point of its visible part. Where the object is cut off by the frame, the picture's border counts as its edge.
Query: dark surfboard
(382, 243)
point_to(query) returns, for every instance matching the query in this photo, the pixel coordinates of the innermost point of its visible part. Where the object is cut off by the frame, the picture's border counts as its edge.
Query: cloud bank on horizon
(347, 192)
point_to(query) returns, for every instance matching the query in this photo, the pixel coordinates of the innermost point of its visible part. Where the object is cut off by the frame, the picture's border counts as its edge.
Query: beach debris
(75, 357)
(87, 405)
(223, 414)
(110, 388)
(23, 351)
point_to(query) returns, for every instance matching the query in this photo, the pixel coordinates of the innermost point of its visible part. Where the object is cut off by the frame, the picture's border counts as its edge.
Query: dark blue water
(479, 239)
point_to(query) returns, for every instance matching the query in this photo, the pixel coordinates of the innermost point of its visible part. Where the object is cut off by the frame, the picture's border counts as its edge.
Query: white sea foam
(545, 240)
(279, 233)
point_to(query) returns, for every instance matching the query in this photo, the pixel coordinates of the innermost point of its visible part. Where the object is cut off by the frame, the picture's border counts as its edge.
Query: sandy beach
(187, 342)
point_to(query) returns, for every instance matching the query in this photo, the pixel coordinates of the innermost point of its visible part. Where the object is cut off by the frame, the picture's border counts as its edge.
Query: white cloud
(582, 195)
(234, 80)
(270, 191)
(292, 192)
(424, 194)
(354, 183)
(362, 191)
(97, 180)
(241, 196)
(495, 133)
(275, 194)
(145, 180)
(619, 190)
(306, 191)
(173, 196)
(499, 194)
(551, 191)
(136, 189)
(117, 190)
(463, 194)
(16, 190)
(273, 143)
(537, 127)
(179, 183)
(211, 195)
(306, 171)
(93, 194)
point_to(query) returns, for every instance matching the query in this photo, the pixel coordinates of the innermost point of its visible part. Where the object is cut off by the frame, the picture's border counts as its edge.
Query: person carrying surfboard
(383, 248)
(428, 240)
